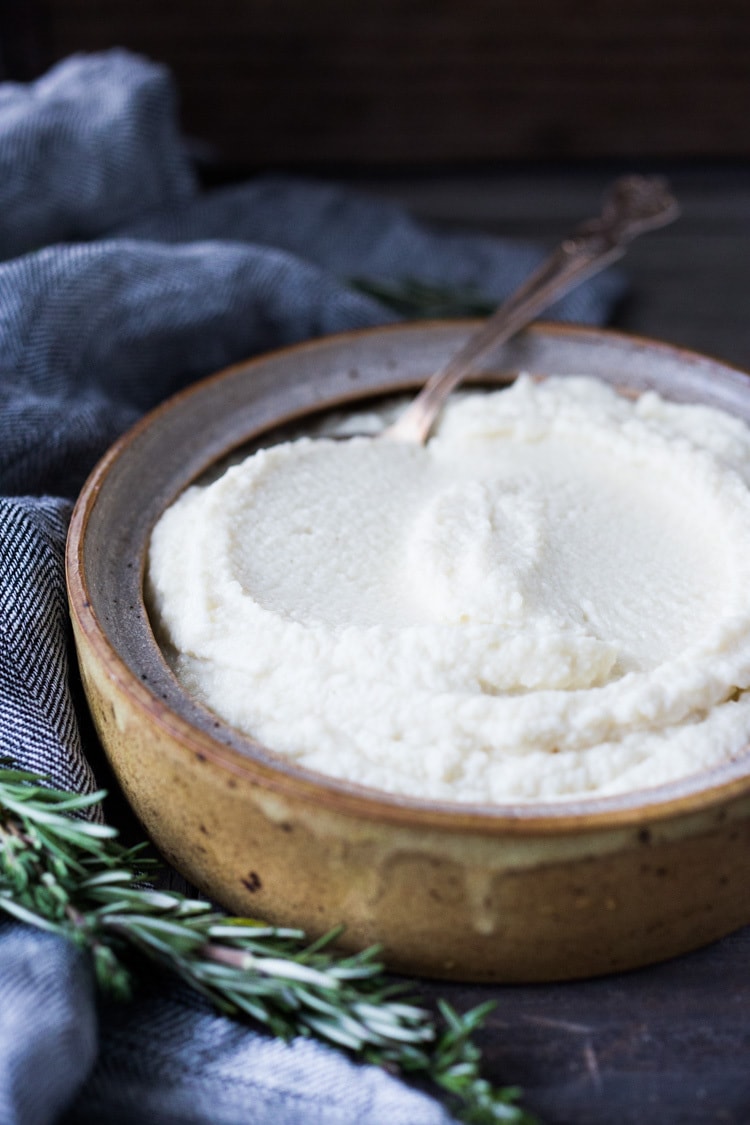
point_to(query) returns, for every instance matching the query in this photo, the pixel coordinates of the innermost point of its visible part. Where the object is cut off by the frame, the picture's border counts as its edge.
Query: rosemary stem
(226, 955)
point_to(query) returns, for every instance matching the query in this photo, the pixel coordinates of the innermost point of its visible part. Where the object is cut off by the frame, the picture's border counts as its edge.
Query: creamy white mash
(550, 600)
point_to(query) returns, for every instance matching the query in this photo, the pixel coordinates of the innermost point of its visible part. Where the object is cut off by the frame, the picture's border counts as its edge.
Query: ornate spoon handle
(632, 205)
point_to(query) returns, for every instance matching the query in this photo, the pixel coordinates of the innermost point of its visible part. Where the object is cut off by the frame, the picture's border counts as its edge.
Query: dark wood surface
(669, 1044)
(416, 81)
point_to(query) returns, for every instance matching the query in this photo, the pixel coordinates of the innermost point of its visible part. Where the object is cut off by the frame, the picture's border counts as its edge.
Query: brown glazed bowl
(502, 893)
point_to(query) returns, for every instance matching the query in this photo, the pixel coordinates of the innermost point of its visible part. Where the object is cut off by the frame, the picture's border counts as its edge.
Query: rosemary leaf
(420, 300)
(69, 876)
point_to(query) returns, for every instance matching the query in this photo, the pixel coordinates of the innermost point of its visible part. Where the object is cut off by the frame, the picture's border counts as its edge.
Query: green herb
(420, 301)
(70, 876)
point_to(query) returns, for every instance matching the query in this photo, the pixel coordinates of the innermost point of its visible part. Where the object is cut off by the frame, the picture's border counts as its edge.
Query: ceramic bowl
(516, 893)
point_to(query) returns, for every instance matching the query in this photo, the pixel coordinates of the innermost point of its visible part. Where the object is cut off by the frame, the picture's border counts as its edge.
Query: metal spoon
(633, 205)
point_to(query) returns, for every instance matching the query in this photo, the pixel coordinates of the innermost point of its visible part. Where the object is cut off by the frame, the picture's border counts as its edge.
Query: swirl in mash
(550, 600)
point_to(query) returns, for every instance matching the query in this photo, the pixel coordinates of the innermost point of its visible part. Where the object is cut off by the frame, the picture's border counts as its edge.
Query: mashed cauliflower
(549, 600)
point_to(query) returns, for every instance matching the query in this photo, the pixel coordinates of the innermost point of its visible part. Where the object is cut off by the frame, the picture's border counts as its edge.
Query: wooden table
(669, 1044)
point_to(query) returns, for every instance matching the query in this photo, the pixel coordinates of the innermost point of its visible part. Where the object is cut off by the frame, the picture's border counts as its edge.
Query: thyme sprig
(66, 874)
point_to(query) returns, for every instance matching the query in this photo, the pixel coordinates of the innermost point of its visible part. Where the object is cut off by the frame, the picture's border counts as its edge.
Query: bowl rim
(280, 774)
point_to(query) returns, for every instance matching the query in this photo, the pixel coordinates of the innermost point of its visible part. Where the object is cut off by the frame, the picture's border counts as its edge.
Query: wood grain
(426, 81)
(667, 1045)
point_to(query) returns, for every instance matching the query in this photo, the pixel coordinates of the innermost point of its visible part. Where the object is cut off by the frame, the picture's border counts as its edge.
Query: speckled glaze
(517, 893)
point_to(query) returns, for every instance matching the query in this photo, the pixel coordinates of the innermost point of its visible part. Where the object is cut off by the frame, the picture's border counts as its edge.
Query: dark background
(388, 83)
(507, 116)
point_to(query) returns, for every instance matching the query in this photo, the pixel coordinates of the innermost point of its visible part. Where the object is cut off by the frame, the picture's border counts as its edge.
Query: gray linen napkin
(120, 282)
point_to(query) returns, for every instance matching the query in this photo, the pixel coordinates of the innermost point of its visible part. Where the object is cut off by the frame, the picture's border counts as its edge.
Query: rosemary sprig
(63, 873)
(419, 300)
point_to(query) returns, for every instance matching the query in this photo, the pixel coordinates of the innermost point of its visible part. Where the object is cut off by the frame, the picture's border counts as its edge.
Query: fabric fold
(48, 1025)
(90, 145)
